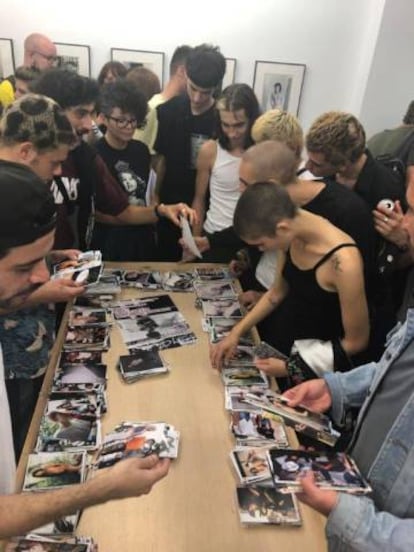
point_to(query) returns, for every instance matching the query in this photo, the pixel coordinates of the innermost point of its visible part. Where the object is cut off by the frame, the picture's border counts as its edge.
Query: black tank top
(308, 311)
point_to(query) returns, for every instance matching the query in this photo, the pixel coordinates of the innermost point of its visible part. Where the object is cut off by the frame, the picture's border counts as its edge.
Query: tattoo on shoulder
(336, 263)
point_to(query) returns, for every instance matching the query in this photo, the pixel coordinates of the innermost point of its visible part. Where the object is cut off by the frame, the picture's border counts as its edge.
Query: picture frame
(7, 63)
(141, 58)
(230, 74)
(75, 57)
(279, 85)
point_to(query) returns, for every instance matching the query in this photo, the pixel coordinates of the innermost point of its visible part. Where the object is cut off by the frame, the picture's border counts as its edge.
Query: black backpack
(397, 163)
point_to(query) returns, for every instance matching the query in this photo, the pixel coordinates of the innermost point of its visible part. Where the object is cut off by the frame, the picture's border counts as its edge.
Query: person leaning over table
(27, 227)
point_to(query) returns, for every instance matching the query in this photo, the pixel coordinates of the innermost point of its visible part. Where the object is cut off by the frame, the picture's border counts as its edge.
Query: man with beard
(27, 227)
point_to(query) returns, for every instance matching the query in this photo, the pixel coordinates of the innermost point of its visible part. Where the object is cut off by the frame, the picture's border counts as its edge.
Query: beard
(18, 300)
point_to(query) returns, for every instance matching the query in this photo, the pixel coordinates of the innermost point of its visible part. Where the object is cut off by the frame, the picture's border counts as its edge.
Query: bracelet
(156, 210)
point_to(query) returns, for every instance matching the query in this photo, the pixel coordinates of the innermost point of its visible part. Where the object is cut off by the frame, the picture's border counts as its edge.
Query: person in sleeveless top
(218, 164)
(318, 289)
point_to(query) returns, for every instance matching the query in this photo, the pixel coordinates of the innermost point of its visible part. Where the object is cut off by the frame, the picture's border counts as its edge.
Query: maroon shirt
(110, 199)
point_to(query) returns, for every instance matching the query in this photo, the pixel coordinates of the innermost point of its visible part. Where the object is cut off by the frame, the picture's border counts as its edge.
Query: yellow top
(6, 93)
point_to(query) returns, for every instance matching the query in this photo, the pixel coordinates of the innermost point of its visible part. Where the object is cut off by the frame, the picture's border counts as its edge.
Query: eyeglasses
(50, 59)
(121, 122)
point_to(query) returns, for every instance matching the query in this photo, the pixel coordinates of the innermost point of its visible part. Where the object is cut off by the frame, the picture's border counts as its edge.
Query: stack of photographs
(152, 323)
(303, 420)
(141, 279)
(104, 290)
(37, 543)
(178, 281)
(258, 429)
(264, 350)
(227, 308)
(91, 338)
(215, 289)
(138, 439)
(244, 376)
(86, 269)
(267, 505)
(86, 316)
(239, 398)
(140, 365)
(207, 274)
(332, 470)
(251, 465)
(54, 470)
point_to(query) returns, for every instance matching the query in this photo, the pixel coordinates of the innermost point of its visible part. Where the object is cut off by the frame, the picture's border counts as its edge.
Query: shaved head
(39, 51)
(270, 160)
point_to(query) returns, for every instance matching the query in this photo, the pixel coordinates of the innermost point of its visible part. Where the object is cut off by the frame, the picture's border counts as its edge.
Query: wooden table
(194, 509)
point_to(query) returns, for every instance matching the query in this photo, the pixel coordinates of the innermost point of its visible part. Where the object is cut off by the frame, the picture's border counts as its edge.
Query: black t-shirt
(130, 167)
(180, 137)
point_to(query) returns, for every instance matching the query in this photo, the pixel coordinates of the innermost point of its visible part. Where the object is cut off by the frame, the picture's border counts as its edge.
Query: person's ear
(27, 152)
(283, 227)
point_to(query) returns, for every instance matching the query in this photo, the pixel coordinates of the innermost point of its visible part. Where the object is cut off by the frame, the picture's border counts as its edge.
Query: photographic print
(332, 470)
(256, 428)
(140, 58)
(222, 289)
(7, 66)
(228, 308)
(74, 57)
(244, 376)
(267, 505)
(278, 85)
(51, 470)
(251, 464)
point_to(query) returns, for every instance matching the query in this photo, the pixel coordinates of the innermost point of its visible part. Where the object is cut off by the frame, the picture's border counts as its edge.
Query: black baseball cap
(27, 207)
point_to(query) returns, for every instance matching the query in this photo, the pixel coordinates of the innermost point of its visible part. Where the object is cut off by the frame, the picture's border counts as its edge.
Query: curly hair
(339, 136)
(67, 88)
(125, 95)
(276, 124)
(234, 98)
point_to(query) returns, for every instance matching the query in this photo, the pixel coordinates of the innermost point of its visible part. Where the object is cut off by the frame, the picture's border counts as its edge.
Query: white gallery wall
(340, 41)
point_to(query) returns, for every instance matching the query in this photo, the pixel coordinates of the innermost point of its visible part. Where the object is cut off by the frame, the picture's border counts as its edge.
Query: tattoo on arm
(336, 263)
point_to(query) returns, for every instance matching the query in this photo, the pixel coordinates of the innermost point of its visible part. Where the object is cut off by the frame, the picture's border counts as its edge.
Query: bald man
(39, 54)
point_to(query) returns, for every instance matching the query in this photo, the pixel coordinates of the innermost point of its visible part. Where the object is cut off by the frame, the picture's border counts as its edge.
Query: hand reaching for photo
(271, 366)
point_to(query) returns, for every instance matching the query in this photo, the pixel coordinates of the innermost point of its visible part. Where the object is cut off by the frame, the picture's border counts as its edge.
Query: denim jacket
(385, 522)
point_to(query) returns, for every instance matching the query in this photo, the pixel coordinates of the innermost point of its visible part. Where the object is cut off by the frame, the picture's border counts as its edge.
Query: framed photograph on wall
(278, 85)
(140, 58)
(75, 57)
(7, 66)
(230, 74)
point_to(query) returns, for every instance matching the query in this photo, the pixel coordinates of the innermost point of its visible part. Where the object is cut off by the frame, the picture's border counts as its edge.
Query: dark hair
(206, 66)
(126, 96)
(67, 88)
(179, 57)
(117, 68)
(145, 80)
(36, 119)
(26, 74)
(409, 115)
(234, 98)
(260, 208)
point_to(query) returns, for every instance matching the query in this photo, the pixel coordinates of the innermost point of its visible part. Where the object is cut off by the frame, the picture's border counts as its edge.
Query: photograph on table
(7, 65)
(80, 357)
(64, 431)
(141, 279)
(211, 273)
(254, 428)
(154, 61)
(85, 316)
(244, 376)
(53, 470)
(221, 289)
(65, 525)
(242, 356)
(228, 308)
(141, 364)
(92, 338)
(39, 543)
(267, 505)
(303, 420)
(84, 404)
(177, 281)
(237, 398)
(251, 464)
(279, 85)
(332, 470)
(81, 373)
(74, 57)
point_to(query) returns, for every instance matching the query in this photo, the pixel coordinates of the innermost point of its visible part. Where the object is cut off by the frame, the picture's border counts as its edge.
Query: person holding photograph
(28, 220)
(318, 295)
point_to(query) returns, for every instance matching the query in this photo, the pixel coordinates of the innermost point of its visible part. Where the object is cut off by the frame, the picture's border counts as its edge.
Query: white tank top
(224, 191)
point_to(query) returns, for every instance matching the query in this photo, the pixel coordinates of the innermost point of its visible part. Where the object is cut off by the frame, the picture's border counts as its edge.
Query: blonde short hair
(276, 124)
